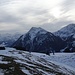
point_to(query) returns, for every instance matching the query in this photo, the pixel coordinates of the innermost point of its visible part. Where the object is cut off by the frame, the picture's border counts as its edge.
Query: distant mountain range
(8, 39)
(40, 40)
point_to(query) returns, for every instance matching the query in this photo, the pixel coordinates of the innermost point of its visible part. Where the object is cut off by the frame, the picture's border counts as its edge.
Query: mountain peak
(69, 26)
(34, 30)
(66, 31)
(72, 24)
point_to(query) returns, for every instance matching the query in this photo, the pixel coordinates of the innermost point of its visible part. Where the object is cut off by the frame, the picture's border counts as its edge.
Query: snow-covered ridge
(24, 63)
(34, 30)
(67, 34)
(38, 38)
(66, 31)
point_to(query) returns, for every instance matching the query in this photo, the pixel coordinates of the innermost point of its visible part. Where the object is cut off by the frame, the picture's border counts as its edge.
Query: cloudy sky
(21, 15)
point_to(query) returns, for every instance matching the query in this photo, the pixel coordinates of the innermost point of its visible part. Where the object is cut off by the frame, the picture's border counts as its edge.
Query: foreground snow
(65, 59)
(16, 62)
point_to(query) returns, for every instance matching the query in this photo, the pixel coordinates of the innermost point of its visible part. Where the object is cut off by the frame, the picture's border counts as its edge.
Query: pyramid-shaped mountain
(39, 40)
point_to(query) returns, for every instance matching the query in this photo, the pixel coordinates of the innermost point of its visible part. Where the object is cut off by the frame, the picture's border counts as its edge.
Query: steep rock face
(68, 35)
(26, 41)
(47, 42)
(39, 40)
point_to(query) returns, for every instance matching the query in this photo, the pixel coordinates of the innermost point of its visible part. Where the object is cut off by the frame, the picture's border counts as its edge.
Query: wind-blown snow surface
(17, 62)
(66, 59)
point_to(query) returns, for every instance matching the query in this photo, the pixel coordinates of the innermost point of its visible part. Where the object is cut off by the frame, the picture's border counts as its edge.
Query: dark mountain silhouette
(39, 40)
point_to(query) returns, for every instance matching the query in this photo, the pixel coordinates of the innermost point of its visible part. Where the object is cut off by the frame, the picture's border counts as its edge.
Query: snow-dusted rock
(16, 62)
(67, 31)
(68, 35)
(38, 39)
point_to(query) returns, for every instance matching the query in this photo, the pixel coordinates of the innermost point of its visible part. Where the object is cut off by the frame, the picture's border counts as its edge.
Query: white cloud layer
(21, 15)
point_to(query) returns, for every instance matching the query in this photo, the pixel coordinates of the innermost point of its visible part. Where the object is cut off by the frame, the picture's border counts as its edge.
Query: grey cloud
(57, 24)
(68, 5)
(35, 11)
(68, 2)
(8, 19)
(3, 2)
(41, 15)
(52, 27)
(34, 15)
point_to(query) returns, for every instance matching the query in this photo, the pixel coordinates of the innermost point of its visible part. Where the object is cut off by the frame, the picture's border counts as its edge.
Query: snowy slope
(34, 30)
(67, 34)
(16, 62)
(65, 59)
(67, 31)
